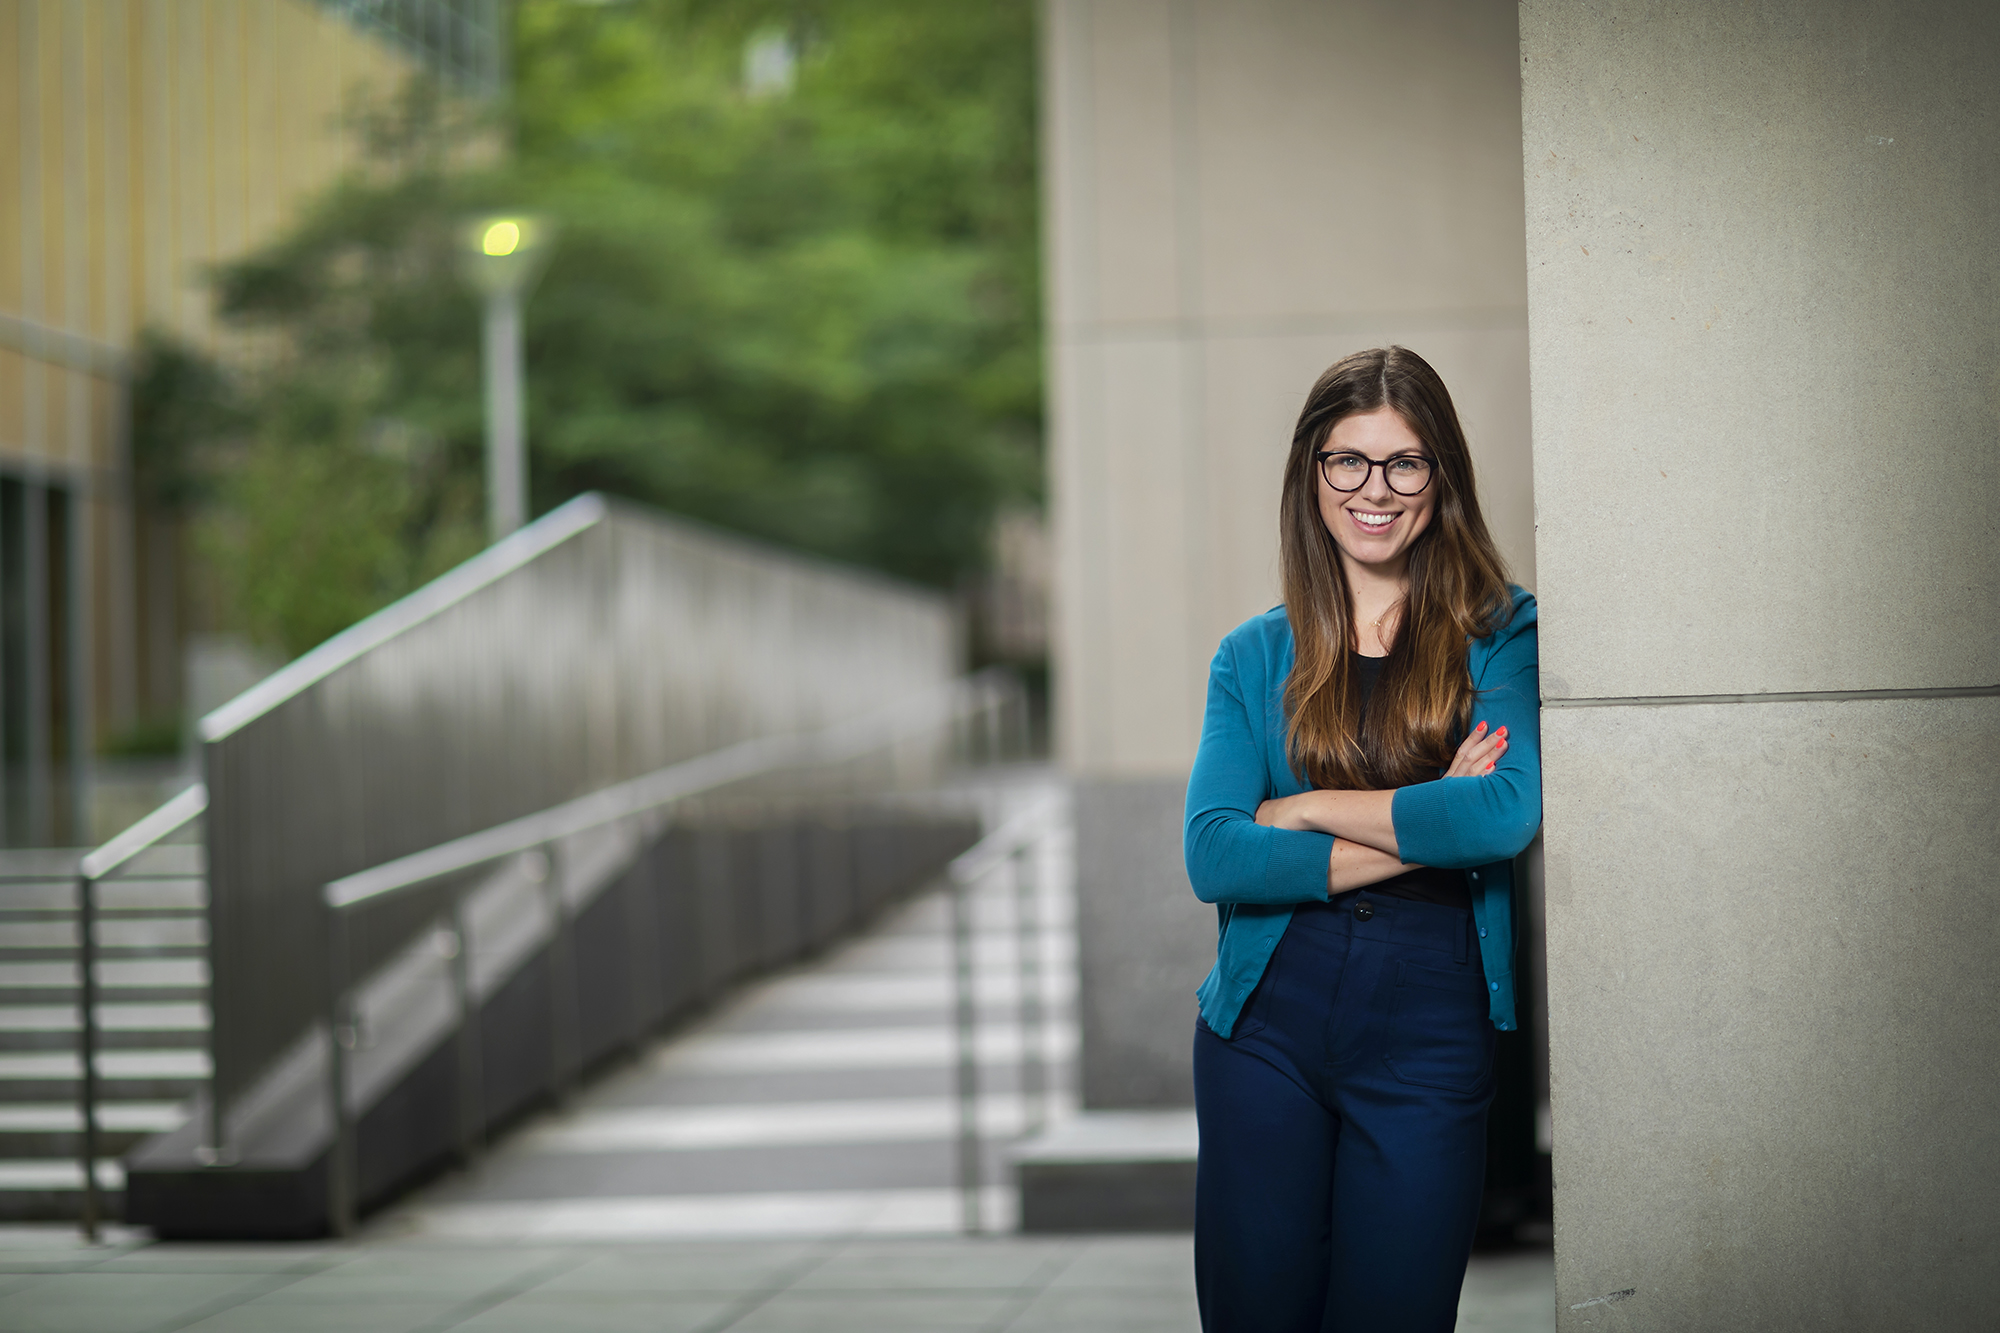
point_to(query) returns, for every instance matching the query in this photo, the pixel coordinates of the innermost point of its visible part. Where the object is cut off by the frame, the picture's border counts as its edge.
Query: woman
(1368, 769)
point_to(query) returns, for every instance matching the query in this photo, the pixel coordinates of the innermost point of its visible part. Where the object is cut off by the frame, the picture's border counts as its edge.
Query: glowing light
(502, 238)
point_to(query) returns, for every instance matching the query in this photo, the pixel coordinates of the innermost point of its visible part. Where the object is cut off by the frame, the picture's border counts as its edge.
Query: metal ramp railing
(571, 853)
(585, 926)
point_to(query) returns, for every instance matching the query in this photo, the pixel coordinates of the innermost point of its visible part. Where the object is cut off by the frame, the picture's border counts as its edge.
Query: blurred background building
(143, 144)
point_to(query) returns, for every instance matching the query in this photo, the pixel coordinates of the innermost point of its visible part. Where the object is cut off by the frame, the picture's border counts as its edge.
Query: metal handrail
(663, 787)
(164, 822)
(539, 833)
(1011, 843)
(96, 865)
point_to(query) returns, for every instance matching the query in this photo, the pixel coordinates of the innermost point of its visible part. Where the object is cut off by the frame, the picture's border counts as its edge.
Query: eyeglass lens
(1407, 473)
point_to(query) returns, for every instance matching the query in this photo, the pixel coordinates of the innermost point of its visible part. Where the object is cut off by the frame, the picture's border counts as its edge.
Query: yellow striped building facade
(142, 141)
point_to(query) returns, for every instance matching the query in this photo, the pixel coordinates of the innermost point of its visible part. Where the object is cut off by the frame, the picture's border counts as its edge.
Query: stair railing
(95, 867)
(980, 712)
(1016, 845)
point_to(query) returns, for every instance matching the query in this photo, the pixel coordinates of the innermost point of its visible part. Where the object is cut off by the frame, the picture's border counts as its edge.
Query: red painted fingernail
(1489, 768)
(1481, 727)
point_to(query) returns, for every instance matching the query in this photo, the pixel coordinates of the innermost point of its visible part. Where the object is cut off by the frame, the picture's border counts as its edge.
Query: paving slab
(92, 1302)
(877, 1312)
(1001, 1268)
(1084, 1310)
(280, 1316)
(1508, 1293)
(695, 1269)
(1132, 1263)
(223, 1259)
(596, 1314)
(429, 1273)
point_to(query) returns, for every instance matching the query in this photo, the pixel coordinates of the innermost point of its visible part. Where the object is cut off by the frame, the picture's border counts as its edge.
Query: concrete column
(1238, 192)
(1764, 294)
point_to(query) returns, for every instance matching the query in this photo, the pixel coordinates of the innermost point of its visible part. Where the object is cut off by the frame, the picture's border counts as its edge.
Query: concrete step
(154, 1117)
(139, 932)
(183, 973)
(112, 1143)
(15, 1092)
(187, 1062)
(53, 1027)
(54, 899)
(46, 1190)
(55, 1043)
(1110, 1171)
(170, 1074)
(54, 1130)
(34, 1173)
(41, 996)
(152, 895)
(152, 1021)
(66, 958)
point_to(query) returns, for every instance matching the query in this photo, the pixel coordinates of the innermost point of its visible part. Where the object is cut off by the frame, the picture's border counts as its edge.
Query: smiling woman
(1368, 769)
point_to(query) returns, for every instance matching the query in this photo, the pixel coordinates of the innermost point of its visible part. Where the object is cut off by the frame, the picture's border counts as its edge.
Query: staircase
(152, 1017)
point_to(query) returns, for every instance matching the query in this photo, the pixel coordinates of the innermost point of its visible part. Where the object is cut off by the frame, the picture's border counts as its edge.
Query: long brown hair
(1458, 592)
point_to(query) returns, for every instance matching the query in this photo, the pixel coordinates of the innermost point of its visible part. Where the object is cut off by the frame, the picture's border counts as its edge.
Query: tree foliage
(806, 314)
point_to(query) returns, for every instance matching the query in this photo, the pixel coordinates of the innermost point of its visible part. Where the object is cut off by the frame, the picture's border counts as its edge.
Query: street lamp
(503, 257)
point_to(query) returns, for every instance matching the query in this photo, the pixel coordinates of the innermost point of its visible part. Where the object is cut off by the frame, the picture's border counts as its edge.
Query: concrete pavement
(1115, 1284)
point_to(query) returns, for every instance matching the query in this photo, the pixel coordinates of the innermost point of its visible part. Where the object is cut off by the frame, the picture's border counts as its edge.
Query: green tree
(807, 313)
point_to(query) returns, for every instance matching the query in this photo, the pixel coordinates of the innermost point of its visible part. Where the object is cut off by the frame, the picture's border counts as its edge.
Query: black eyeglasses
(1407, 474)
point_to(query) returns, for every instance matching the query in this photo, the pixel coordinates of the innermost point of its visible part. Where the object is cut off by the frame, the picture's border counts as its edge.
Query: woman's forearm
(1358, 816)
(1354, 865)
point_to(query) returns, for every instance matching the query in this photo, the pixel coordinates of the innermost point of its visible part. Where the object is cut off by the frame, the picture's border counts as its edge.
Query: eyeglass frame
(1321, 455)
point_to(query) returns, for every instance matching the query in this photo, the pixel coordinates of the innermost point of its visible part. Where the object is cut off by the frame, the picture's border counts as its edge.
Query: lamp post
(504, 255)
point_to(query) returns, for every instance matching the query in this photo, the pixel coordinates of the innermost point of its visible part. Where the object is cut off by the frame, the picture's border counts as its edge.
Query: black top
(1428, 885)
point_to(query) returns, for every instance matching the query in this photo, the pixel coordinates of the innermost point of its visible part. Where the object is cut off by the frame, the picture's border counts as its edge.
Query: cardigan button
(1363, 911)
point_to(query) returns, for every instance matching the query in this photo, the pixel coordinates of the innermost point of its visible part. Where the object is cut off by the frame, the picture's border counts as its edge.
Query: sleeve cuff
(1297, 862)
(1421, 815)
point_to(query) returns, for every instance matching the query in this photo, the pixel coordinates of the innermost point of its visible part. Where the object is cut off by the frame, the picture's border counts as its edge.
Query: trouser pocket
(1439, 1032)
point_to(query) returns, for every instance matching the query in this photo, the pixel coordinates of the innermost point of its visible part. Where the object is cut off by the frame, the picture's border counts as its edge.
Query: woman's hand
(1476, 756)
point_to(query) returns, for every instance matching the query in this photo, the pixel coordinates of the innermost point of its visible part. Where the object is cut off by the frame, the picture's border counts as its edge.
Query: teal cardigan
(1254, 874)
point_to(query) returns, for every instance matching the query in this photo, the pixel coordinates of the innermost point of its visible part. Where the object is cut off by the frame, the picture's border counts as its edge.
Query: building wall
(1237, 194)
(1764, 294)
(141, 141)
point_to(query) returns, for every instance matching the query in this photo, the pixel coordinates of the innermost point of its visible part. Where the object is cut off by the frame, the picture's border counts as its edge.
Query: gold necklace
(1376, 624)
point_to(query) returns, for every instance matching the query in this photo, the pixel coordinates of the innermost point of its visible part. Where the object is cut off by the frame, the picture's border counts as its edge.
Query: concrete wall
(1764, 283)
(1238, 192)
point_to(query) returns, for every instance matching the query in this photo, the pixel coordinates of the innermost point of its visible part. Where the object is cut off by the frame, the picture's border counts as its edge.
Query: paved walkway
(49, 1284)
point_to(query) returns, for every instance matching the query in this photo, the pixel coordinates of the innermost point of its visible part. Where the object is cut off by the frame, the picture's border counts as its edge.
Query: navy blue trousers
(1343, 1126)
